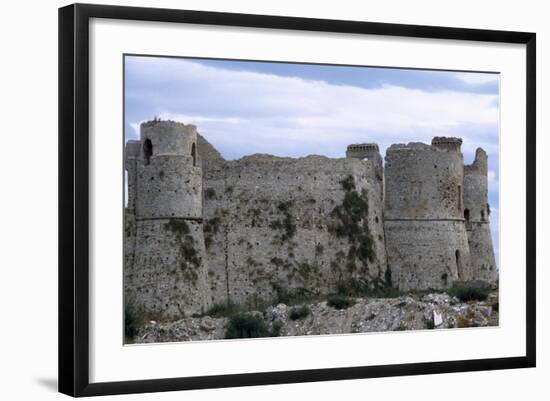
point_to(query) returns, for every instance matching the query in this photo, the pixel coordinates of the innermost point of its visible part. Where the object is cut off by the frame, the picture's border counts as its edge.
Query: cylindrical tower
(425, 234)
(168, 276)
(476, 216)
(169, 177)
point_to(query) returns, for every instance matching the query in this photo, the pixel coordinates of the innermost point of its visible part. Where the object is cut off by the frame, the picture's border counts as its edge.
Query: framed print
(250, 199)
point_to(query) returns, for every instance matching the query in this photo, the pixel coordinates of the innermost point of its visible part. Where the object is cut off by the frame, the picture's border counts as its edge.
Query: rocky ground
(411, 312)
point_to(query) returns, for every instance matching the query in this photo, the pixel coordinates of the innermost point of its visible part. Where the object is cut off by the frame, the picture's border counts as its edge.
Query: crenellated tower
(370, 152)
(426, 237)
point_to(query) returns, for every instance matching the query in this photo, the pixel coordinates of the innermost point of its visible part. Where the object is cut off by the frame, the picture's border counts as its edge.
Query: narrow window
(459, 197)
(482, 215)
(467, 215)
(147, 151)
(194, 154)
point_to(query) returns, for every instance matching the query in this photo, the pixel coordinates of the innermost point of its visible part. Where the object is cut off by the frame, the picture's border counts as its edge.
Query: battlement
(362, 150)
(447, 143)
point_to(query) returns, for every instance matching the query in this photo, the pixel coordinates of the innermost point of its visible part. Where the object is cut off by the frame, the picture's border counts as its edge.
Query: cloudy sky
(285, 109)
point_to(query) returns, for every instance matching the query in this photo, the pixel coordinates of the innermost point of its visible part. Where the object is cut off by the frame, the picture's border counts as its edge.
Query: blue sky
(287, 109)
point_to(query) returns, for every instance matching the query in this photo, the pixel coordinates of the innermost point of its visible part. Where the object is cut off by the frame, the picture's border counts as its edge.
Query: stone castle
(201, 230)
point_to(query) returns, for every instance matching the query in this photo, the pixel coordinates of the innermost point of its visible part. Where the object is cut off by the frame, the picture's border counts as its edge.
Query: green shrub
(224, 309)
(299, 312)
(246, 326)
(466, 294)
(361, 288)
(131, 320)
(276, 329)
(340, 301)
(292, 296)
(430, 325)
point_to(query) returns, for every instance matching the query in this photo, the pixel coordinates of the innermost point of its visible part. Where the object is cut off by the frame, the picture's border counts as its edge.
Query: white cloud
(248, 112)
(492, 177)
(476, 78)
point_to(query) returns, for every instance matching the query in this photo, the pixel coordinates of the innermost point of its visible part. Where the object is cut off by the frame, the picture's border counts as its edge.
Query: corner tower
(476, 217)
(168, 274)
(426, 238)
(371, 152)
(362, 151)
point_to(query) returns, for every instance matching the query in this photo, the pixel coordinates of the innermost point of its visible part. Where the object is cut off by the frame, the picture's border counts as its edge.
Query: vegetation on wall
(210, 228)
(189, 260)
(350, 220)
(286, 224)
(210, 193)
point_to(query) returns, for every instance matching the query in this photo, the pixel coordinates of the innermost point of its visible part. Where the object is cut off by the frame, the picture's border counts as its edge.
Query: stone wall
(270, 225)
(200, 230)
(424, 254)
(168, 274)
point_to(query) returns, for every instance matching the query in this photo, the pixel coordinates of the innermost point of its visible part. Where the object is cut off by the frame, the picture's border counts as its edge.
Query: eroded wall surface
(280, 224)
(200, 230)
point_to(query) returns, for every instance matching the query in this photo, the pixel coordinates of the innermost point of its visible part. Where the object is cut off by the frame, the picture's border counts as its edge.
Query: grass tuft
(246, 326)
(132, 319)
(340, 301)
(466, 294)
(299, 312)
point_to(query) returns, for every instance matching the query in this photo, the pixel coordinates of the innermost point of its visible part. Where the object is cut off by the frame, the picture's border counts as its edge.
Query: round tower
(425, 234)
(476, 217)
(169, 176)
(168, 276)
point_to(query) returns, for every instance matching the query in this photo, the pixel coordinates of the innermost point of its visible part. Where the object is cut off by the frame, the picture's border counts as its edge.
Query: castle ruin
(201, 230)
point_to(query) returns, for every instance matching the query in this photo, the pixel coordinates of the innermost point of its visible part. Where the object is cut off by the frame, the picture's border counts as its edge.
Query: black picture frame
(74, 200)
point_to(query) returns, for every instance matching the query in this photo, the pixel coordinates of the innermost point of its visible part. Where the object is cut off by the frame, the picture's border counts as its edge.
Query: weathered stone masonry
(201, 230)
